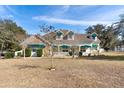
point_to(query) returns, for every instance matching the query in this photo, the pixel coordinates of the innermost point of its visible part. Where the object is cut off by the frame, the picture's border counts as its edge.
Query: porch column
(58, 48)
(43, 52)
(79, 48)
(23, 48)
(98, 47)
(24, 53)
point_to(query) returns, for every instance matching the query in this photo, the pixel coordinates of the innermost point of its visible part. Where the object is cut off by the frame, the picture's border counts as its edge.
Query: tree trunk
(51, 57)
(1, 49)
(73, 51)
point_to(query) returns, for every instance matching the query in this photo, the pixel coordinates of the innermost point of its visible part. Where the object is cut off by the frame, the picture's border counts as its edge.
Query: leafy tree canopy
(107, 35)
(9, 35)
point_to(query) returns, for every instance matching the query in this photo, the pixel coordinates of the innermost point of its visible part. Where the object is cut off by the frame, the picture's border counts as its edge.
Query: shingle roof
(78, 38)
(64, 32)
(52, 35)
(34, 39)
(30, 40)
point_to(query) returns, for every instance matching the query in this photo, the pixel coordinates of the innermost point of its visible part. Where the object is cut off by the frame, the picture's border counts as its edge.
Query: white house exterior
(64, 41)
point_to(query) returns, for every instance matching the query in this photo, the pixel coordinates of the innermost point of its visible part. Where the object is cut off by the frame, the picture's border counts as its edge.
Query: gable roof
(53, 34)
(78, 38)
(34, 39)
(94, 33)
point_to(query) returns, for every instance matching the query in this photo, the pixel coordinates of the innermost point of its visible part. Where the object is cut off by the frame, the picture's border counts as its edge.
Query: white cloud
(66, 7)
(107, 15)
(4, 13)
(69, 22)
(7, 16)
(61, 11)
(98, 16)
(11, 10)
(113, 15)
(2, 10)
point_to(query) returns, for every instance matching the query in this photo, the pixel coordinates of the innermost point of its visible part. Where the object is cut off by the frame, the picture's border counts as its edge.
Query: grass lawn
(33, 72)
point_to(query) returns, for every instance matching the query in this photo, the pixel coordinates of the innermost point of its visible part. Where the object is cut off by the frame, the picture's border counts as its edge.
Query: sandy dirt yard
(33, 72)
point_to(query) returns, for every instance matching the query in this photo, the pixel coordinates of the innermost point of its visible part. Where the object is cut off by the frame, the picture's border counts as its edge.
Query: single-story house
(62, 41)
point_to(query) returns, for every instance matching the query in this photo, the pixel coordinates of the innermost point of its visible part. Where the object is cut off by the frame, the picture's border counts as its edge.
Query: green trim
(65, 46)
(94, 45)
(36, 45)
(94, 35)
(86, 46)
(71, 33)
(59, 33)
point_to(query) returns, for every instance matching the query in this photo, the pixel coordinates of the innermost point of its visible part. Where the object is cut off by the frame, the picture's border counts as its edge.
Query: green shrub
(27, 52)
(70, 53)
(18, 48)
(9, 55)
(80, 53)
(39, 52)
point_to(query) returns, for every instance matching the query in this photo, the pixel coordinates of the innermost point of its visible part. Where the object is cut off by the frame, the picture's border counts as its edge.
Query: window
(71, 36)
(94, 36)
(59, 36)
(65, 50)
(34, 50)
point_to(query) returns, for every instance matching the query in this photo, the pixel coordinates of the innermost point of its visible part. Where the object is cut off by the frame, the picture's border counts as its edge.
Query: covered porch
(35, 47)
(64, 49)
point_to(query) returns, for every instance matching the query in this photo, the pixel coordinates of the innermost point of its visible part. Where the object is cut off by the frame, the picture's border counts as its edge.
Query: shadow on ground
(26, 67)
(103, 57)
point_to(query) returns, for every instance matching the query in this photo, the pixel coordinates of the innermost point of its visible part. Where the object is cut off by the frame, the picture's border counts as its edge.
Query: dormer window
(70, 36)
(59, 35)
(94, 36)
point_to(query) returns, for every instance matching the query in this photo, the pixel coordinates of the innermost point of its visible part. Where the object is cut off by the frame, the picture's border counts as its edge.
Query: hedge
(9, 55)
(27, 52)
(39, 53)
(70, 53)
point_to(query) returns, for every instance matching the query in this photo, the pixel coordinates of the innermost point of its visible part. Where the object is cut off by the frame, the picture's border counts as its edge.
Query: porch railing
(61, 53)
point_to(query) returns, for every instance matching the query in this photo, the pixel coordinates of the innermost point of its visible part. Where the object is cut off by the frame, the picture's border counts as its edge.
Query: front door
(34, 53)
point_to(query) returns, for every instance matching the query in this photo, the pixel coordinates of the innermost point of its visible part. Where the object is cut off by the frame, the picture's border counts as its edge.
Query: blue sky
(76, 18)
